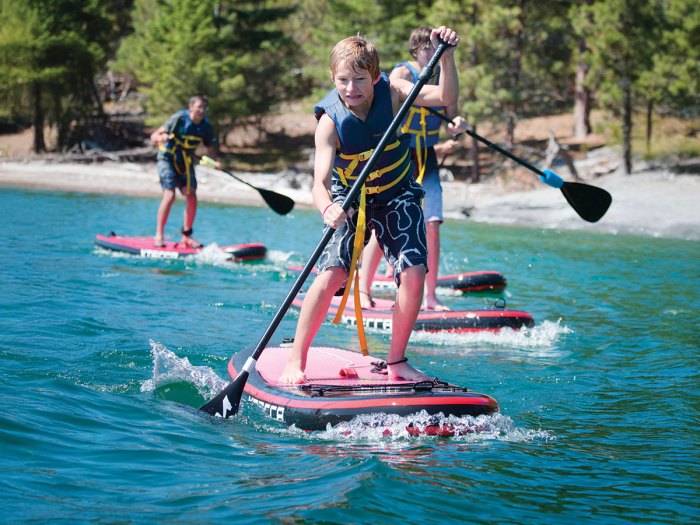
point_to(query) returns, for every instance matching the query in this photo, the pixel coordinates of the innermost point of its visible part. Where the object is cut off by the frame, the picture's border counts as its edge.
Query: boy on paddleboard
(177, 141)
(423, 128)
(352, 120)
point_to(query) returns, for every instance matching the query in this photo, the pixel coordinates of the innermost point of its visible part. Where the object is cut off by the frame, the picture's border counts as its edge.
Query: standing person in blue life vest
(177, 142)
(352, 120)
(424, 130)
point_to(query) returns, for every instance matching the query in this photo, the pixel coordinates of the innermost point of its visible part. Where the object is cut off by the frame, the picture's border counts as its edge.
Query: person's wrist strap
(323, 215)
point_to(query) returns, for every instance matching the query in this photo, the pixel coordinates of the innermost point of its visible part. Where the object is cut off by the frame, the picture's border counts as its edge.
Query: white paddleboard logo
(158, 254)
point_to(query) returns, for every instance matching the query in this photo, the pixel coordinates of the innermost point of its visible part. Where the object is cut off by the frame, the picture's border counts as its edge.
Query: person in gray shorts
(177, 141)
(423, 127)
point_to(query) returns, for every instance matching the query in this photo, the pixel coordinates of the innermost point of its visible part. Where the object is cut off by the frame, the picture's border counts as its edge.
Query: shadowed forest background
(95, 75)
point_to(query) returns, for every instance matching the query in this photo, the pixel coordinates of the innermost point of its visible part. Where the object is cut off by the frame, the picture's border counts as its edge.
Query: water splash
(278, 257)
(542, 335)
(213, 255)
(389, 428)
(169, 369)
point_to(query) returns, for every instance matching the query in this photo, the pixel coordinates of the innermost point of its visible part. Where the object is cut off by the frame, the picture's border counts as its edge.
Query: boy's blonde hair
(358, 52)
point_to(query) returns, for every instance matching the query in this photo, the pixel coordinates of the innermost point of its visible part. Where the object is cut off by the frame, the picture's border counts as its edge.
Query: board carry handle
(226, 403)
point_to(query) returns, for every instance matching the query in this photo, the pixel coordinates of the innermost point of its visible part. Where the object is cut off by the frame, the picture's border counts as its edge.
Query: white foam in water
(212, 254)
(390, 428)
(278, 257)
(169, 368)
(99, 250)
(542, 335)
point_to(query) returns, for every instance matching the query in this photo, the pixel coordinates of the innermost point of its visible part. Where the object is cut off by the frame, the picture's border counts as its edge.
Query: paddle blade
(226, 403)
(279, 203)
(590, 202)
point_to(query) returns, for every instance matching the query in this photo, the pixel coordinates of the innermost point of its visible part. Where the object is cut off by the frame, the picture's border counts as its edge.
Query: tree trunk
(627, 124)
(62, 124)
(582, 97)
(650, 116)
(39, 144)
(517, 67)
(473, 61)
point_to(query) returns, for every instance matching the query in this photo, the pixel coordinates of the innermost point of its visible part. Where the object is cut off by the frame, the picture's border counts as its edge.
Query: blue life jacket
(183, 138)
(359, 138)
(423, 126)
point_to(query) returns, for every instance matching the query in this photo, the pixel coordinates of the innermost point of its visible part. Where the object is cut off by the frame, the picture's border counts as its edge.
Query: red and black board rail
(486, 281)
(452, 321)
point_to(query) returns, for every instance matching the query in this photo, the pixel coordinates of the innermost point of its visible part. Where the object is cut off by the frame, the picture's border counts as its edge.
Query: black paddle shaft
(590, 202)
(491, 144)
(279, 203)
(226, 403)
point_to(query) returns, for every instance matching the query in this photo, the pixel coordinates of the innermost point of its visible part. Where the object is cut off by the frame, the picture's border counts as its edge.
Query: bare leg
(430, 301)
(371, 257)
(313, 312)
(166, 204)
(188, 219)
(406, 308)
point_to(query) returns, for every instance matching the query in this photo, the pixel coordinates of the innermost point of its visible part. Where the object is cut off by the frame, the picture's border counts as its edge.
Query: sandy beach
(652, 201)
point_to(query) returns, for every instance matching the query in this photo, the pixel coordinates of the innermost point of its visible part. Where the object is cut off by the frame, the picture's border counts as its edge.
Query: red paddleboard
(145, 247)
(341, 384)
(469, 282)
(379, 317)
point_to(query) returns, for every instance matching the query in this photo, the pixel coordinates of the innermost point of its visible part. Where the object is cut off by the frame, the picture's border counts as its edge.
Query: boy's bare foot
(158, 241)
(401, 370)
(434, 304)
(190, 242)
(366, 301)
(292, 374)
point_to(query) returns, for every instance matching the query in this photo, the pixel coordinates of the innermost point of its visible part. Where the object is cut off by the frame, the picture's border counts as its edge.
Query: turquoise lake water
(105, 359)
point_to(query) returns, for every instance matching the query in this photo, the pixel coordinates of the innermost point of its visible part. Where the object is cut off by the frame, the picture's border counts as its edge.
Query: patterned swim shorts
(400, 228)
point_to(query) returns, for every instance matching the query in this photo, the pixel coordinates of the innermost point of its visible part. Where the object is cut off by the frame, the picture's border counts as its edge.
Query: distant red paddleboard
(145, 247)
(453, 321)
(468, 282)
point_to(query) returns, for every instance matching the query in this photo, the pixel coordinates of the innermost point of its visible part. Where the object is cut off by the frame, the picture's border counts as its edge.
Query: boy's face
(354, 87)
(423, 54)
(198, 110)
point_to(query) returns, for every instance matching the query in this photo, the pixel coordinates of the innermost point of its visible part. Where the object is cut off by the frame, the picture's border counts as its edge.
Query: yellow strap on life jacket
(186, 148)
(356, 158)
(346, 175)
(421, 138)
(188, 142)
(353, 275)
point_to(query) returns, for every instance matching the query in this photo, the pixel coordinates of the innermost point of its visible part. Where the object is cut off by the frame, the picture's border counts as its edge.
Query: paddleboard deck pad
(145, 247)
(379, 317)
(464, 283)
(341, 385)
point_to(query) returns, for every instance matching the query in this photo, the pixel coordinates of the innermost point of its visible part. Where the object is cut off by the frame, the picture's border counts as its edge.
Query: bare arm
(326, 140)
(213, 153)
(447, 91)
(159, 136)
(400, 72)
